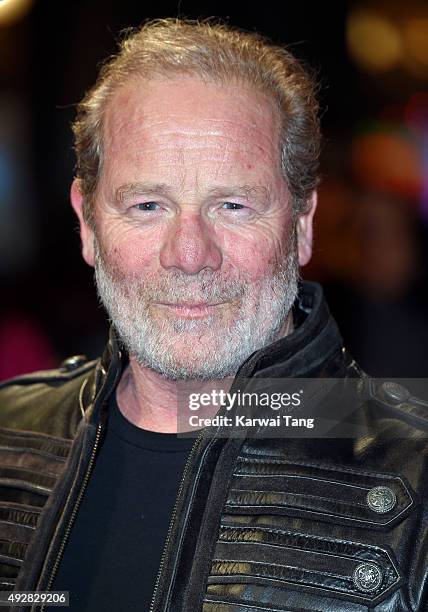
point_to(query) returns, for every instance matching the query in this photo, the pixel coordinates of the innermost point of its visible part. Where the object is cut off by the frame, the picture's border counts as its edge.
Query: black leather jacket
(260, 524)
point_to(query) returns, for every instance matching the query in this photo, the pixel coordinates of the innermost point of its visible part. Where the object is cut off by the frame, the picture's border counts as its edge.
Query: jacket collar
(307, 352)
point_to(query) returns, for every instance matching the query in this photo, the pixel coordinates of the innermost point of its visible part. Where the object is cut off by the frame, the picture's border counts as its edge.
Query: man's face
(195, 249)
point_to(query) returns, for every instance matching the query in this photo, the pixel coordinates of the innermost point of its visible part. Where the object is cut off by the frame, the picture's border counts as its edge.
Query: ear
(86, 233)
(304, 231)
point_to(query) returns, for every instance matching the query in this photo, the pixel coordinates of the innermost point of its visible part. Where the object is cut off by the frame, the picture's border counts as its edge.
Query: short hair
(209, 49)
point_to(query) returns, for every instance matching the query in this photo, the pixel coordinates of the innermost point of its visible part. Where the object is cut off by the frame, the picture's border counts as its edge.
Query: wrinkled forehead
(189, 107)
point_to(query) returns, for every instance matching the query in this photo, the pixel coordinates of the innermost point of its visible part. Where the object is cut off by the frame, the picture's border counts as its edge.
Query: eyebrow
(132, 189)
(257, 192)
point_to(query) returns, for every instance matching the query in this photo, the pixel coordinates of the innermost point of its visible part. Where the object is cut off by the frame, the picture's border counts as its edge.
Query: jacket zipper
(74, 512)
(173, 515)
(79, 500)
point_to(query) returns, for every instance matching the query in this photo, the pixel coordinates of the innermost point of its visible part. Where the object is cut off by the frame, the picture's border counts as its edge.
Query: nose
(189, 245)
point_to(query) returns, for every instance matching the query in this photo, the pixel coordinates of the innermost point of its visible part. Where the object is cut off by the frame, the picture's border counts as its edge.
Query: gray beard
(197, 349)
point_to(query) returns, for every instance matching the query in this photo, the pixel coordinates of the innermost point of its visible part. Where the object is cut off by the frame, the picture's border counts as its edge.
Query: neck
(148, 400)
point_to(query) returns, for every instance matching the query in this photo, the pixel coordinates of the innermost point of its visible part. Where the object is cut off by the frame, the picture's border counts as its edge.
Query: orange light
(416, 37)
(374, 42)
(416, 33)
(388, 162)
(13, 10)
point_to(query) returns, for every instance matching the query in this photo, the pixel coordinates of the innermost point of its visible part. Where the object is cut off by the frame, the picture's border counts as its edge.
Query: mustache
(176, 286)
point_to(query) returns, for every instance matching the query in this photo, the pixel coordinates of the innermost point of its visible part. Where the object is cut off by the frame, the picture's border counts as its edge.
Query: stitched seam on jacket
(9, 505)
(288, 546)
(279, 565)
(32, 451)
(17, 524)
(289, 581)
(331, 499)
(308, 537)
(300, 477)
(13, 433)
(27, 471)
(319, 466)
(308, 511)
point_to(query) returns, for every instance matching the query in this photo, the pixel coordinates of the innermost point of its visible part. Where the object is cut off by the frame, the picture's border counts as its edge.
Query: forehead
(186, 115)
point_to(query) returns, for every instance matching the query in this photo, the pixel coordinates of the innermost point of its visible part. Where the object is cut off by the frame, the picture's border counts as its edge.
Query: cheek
(130, 252)
(254, 252)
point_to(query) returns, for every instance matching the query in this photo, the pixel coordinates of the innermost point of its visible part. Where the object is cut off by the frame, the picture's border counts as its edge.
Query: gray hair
(222, 53)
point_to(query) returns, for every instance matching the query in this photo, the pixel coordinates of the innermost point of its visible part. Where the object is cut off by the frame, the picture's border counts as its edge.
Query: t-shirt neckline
(150, 440)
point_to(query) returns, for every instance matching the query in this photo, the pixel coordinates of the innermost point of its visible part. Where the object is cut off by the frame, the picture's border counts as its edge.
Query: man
(197, 157)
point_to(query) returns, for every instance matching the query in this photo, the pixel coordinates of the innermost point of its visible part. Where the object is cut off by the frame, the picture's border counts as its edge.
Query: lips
(191, 309)
(190, 304)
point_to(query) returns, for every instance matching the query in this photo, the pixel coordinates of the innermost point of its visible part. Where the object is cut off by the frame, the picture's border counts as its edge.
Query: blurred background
(371, 250)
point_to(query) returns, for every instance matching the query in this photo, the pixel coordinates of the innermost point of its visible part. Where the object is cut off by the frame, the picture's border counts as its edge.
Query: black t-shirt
(113, 555)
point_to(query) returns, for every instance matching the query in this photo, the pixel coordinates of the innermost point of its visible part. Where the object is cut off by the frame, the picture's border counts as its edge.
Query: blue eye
(233, 206)
(147, 206)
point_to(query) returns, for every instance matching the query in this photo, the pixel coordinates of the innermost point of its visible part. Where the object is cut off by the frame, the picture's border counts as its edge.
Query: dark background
(370, 236)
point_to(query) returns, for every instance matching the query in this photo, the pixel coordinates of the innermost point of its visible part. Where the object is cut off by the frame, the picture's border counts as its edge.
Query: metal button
(381, 499)
(72, 363)
(367, 577)
(395, 392)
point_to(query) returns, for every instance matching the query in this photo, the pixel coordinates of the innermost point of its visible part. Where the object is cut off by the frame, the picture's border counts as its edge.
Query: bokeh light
(13, 10)
(388, 162)
(373, 41)
(416, 36)
(394, 36)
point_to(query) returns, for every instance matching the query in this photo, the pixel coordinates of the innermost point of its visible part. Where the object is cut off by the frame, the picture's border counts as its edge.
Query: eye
(232, 206)
(147, 206)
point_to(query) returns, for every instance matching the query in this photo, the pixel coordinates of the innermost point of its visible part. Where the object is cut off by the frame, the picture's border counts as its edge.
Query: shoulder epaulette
(396, 400)
(70, 368)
